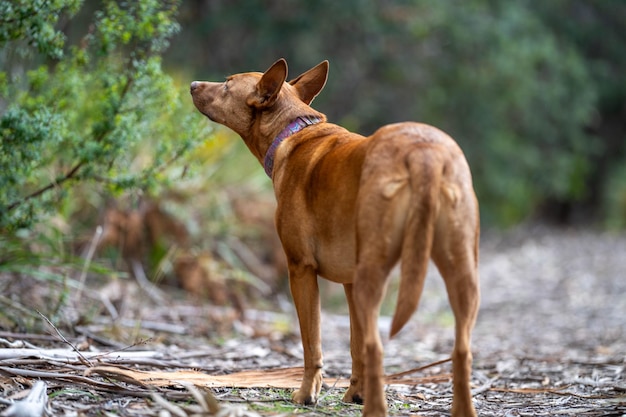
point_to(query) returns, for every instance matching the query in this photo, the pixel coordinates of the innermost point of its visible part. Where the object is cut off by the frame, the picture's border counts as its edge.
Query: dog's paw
(304, 398)
(353, 396)
(310, 388)
(354, 393)
(375, 411)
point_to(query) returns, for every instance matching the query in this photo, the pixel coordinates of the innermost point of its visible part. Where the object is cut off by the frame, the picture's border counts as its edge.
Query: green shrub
(101, 112)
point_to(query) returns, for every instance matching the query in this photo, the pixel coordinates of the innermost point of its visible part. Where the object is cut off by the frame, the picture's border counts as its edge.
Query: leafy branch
(101, 113)
(72, 174)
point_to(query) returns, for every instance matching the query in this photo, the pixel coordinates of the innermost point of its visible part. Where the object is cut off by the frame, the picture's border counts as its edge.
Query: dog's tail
(426, 167)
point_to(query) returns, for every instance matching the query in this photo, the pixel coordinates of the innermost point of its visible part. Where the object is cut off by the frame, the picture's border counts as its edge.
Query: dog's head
(255, 104)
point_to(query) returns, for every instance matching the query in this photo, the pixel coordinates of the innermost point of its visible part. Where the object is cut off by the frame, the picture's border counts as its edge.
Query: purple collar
(291, 129)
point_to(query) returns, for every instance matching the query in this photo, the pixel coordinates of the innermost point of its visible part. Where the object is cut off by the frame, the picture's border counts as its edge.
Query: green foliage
(106, 114)
(512, 81)
(596, 30)
(615, 197)
(532, 91)
(32, 23)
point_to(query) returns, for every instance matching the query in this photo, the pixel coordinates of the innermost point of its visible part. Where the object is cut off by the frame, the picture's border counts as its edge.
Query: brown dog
(350, 207)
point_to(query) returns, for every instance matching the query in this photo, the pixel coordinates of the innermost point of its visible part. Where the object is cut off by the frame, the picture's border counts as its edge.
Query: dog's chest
(324, 240)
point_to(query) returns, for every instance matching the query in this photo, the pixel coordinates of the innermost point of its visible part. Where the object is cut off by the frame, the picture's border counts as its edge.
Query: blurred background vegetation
(97, 127)
(533, 91)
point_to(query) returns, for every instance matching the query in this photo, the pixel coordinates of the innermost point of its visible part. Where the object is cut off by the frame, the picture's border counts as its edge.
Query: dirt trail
(550, 340)
(551, 335)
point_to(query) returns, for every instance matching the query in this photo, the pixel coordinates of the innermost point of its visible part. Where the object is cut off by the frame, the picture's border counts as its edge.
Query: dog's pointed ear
(269, 85)
(311, 82)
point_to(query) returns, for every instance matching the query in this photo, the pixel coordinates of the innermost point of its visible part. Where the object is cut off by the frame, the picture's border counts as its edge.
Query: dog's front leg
(305, 293)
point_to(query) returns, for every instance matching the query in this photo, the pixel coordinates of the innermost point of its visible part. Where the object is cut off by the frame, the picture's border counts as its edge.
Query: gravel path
(553, 318)
(550, 340)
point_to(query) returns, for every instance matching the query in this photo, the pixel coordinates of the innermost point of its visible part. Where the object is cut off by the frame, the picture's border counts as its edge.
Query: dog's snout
(193, 86)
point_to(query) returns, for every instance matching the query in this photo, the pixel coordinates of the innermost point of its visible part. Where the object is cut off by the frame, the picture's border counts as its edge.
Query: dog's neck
(292, 128)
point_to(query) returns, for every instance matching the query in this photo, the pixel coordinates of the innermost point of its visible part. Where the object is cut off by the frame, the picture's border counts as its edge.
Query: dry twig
(83, 359)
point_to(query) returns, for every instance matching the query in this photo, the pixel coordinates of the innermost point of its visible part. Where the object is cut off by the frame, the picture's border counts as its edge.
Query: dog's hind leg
(305, 293)
(368, 291)
(380, 218)
(354, 394)
(455, 252)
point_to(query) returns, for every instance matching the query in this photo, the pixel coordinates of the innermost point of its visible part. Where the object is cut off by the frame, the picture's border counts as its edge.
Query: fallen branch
(29, 373)
(265, 378)
(155, 294)
(556, 391)
(147, 325)
(415, 370)
(72, 356)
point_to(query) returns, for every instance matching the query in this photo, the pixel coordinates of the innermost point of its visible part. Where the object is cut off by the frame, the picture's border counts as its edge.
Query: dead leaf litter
(550, 340)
